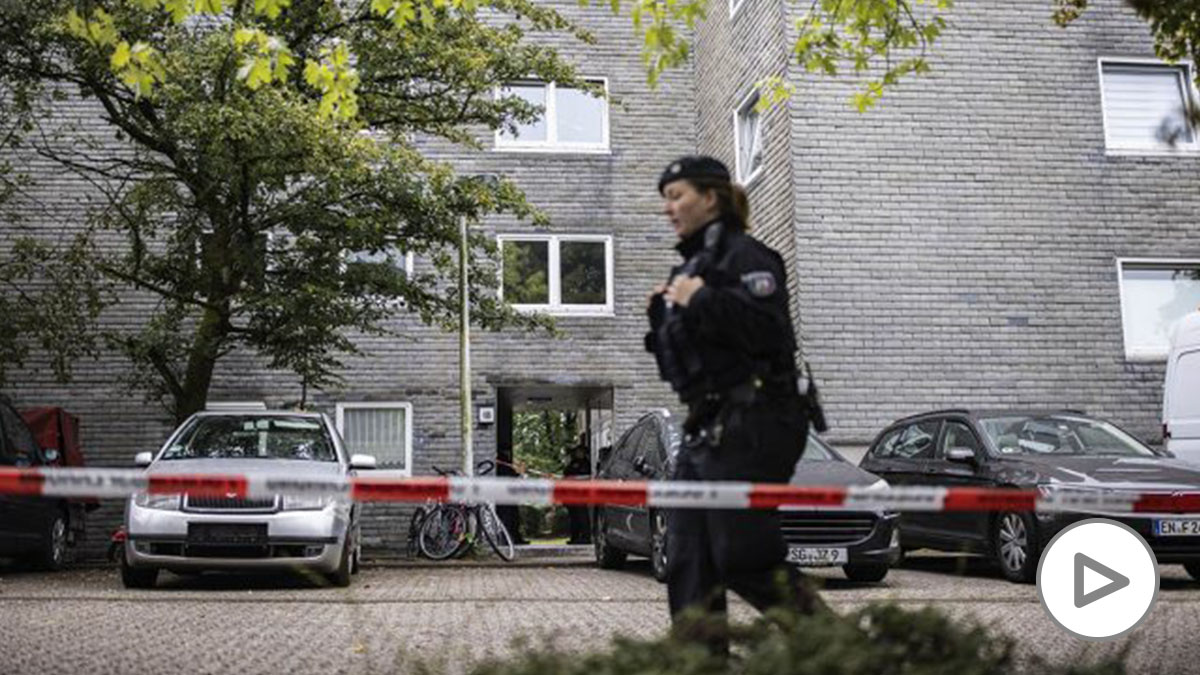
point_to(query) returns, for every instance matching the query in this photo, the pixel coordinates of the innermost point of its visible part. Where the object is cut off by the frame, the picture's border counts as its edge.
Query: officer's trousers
(712, 550)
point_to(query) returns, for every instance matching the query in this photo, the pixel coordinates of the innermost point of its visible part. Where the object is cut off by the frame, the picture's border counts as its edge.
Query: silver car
(190, 534)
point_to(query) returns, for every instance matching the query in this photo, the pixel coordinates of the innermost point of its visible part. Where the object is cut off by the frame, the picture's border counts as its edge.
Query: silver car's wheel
(341, 576)
(1015, 546)
(356, 562)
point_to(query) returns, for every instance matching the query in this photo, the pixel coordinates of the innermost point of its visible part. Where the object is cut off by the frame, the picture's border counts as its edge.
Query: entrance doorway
(551, 431)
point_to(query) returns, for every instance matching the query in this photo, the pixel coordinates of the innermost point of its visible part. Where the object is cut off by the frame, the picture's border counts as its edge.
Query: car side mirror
(143, 459)
(964, 455)
(362, 461)
(50, 455)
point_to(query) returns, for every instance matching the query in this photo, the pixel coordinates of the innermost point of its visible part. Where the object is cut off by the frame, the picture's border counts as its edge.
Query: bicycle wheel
(443, 533)
(414, 531)
(495, 532)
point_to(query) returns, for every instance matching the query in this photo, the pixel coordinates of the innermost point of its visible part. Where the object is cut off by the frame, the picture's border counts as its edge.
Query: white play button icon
(1098, 579)
(1083, 564)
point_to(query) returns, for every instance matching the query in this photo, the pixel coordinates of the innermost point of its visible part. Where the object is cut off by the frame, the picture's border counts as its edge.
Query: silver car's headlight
(160, 502)
(306, 503)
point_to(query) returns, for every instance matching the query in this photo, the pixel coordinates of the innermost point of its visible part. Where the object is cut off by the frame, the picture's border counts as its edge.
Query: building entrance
(551, 431)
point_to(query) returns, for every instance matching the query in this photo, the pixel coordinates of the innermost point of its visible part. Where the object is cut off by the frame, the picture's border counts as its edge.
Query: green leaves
(266, 58)
(337, 81)
(886, 38)
(141, 67)
(241, 184)
(655, 22)
(271, 8)
(138, 65)
(99, 30)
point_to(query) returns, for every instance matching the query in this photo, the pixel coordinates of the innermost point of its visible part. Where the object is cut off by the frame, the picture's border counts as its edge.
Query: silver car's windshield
(1060, 435)
(254, 437)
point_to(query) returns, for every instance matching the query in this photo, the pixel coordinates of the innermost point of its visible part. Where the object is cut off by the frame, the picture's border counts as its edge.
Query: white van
(1181, 391)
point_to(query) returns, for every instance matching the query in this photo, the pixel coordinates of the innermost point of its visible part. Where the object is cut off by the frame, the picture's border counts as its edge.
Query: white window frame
(748, 101)
(555, 305)
(408, 261)
(550, 115)
(340, 421)
(1145, 355)
(1191, 94)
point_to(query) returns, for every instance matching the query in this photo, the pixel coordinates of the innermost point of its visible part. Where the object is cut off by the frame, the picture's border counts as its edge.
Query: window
(959, 435)
(1154, 296)
(650, 449)
(621, 464)
(567, 274)
(914, 441)
(815, 450)
(1145, 106)
(249, 436)
(748, 144)
(573, 120)
(396, 257)
(22, 449)
(383, 430)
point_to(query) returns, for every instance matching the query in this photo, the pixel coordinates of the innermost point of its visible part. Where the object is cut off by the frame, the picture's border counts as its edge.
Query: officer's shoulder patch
(760, 284)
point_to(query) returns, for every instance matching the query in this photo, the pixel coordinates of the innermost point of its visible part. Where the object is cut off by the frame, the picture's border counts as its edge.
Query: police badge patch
(760, 284)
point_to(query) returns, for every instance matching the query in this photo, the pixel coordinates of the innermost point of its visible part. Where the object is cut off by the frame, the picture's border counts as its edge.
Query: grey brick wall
(611, 194)
(958, 244)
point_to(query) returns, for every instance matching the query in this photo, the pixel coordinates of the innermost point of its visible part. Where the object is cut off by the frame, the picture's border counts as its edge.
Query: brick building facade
(959, 245)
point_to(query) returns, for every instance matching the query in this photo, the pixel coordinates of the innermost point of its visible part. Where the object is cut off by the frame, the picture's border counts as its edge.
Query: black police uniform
(729, 355)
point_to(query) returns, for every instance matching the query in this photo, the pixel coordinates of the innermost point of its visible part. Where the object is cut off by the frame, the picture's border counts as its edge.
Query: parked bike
(440, 531)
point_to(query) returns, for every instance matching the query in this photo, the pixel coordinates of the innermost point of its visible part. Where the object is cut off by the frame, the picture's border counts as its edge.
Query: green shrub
(880, 639)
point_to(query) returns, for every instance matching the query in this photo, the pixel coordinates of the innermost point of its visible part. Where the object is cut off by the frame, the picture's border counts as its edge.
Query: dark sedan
(1065, 452)
(863, 543)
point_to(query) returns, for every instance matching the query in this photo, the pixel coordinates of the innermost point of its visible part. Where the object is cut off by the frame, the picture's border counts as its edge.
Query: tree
(259, 202)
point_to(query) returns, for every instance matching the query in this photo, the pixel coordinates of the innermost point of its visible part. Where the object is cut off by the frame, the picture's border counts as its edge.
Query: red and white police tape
(385, 486)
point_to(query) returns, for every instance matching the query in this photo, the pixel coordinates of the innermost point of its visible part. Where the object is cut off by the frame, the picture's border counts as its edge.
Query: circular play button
(1098, 579)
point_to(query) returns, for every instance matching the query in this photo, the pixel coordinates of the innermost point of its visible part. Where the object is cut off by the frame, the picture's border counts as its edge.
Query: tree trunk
(202, 359)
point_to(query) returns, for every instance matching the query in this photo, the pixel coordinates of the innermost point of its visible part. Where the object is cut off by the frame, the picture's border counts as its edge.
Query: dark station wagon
(1065, 452)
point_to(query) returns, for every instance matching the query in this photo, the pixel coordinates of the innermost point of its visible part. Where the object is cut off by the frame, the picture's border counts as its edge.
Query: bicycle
(448, 530)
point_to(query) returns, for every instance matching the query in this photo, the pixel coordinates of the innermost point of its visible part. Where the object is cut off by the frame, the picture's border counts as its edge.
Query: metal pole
(464, 351)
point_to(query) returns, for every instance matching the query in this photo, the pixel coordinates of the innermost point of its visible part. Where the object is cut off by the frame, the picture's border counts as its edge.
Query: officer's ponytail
(732, 202)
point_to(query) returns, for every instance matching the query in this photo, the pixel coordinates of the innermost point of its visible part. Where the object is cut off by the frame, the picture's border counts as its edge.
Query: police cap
(693, 166)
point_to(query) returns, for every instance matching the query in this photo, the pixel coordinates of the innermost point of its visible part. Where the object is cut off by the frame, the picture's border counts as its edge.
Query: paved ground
(83, 621)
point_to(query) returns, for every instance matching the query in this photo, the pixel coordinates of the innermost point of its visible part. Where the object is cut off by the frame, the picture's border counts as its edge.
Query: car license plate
(817, 557)
(1176, 527)
(227, 533)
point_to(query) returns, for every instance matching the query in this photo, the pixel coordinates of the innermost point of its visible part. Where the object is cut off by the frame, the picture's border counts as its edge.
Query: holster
(812, 401)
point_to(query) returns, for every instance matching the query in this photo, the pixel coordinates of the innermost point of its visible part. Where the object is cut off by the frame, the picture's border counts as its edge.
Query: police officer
(722, 335)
